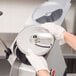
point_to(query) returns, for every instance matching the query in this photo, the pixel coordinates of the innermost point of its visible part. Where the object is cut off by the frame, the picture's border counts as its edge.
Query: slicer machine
(37, 39)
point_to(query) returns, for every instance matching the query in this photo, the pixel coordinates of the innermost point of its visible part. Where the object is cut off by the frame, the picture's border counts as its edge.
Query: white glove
(38, 62)
(56, 30)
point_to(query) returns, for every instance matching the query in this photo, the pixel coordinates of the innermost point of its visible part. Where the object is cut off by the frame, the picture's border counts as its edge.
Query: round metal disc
(36, 39)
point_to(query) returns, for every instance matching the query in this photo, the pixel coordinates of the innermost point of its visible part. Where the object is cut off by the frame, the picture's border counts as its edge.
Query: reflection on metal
(15, 68)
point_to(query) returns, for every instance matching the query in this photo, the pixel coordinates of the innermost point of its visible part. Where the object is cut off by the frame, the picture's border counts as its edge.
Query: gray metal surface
(56, 61)
(15, 68)
(4, 67)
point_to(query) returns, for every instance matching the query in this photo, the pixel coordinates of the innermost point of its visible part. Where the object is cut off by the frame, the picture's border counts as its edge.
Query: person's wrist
(64, 34)
(43, 73)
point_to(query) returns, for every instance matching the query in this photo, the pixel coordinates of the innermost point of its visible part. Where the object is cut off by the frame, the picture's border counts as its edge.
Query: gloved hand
(55, 30)
(38, 62)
